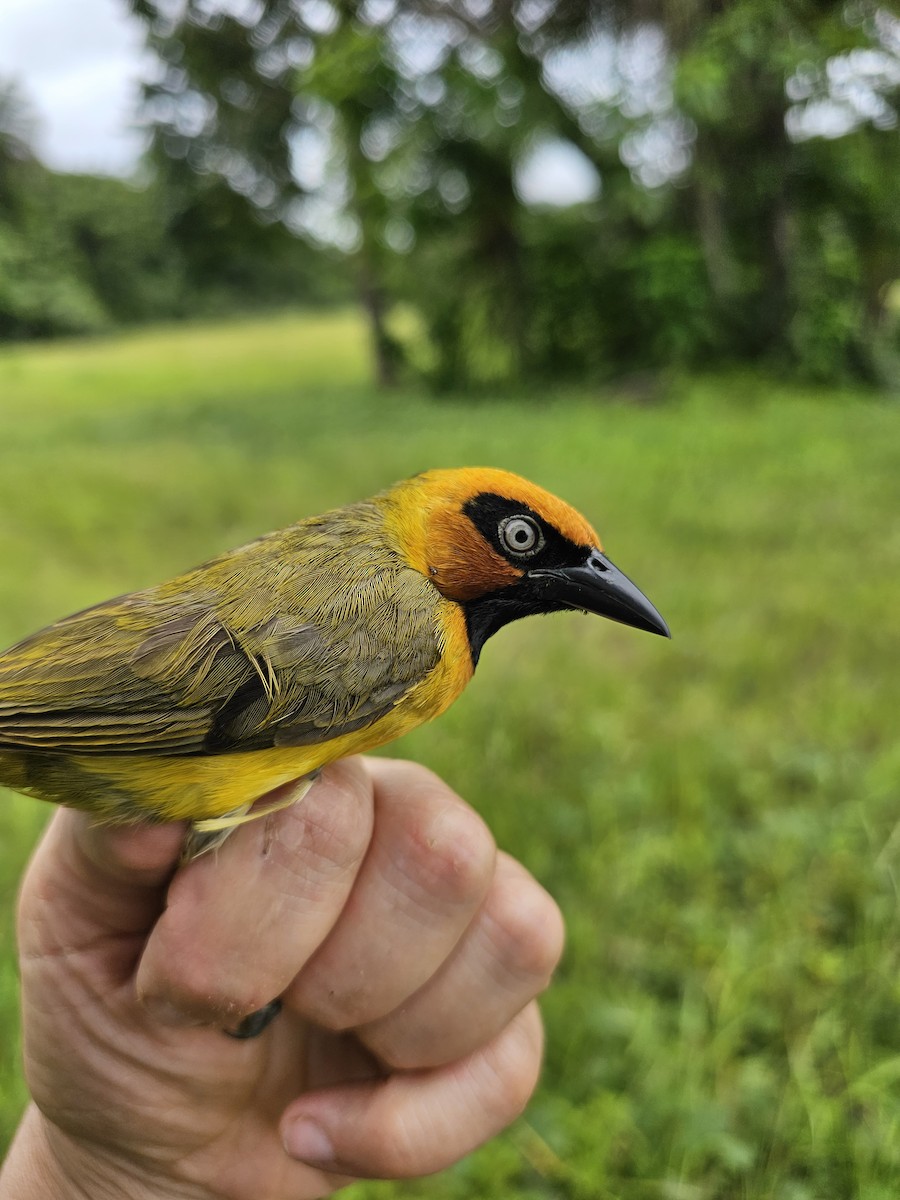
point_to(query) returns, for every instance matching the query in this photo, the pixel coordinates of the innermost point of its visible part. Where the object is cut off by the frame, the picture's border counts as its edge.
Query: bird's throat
(486, 614)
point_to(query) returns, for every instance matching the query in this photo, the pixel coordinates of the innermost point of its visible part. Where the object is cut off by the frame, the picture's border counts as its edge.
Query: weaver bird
(192, 699)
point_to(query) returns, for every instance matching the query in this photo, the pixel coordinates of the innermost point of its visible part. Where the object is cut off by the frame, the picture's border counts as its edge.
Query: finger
(505, 959)
(427, 871)
(418, 1122)
(240, 923)
(87, 901)
(97, 887)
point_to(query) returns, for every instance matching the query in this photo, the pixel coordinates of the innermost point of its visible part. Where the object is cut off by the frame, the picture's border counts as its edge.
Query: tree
(16, 130)
(401, 127)
(40, 293)
(222, 111)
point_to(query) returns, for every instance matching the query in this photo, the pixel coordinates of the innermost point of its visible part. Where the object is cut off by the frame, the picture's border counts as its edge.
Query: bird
(193, 699)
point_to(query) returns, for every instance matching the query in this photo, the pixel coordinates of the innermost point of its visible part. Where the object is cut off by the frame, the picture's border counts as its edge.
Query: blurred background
(260, 257)
(610, 187)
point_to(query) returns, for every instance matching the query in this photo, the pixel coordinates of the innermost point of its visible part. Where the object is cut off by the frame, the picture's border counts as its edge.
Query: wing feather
(291, 640)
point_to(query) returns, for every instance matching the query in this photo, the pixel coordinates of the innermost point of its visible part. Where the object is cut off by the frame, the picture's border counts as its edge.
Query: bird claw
(210, 832)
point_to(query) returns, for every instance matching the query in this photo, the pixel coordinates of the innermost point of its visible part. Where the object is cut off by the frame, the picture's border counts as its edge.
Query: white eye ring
(521, 535)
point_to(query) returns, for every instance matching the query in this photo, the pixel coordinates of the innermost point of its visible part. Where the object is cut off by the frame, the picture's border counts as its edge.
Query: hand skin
(408, 952)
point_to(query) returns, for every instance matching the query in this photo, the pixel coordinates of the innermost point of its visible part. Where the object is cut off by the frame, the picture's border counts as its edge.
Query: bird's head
(504, 548)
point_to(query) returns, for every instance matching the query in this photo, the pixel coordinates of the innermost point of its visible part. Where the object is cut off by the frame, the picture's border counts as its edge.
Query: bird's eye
(520, 535)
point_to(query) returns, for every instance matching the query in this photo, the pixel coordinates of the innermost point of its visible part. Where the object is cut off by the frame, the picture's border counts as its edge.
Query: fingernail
(307, 1141)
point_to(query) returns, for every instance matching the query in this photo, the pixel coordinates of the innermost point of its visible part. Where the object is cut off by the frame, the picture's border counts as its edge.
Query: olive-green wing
(276, 644)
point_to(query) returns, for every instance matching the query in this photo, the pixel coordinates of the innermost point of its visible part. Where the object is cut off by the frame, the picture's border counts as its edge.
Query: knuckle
(453, 854)
(333, 839)
(399, 774)
(350, 779)
(196, 993)
(521, 1081)
(528, 933)
(187, 987)
(516, 1069)
(331, 831)
(336, 1012)
(396, 1052)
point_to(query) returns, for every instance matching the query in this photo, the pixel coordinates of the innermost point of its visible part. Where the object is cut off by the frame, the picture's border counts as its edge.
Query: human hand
(408, 953)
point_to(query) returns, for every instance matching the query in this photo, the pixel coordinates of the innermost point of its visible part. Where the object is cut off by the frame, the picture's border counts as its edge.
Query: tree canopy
(80, 254)
(731, 221)
(743, 155)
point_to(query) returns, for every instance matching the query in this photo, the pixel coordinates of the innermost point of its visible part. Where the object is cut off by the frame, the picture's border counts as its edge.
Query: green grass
(718, 815)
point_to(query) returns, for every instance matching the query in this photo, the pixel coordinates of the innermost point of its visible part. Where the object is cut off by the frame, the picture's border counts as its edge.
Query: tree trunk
(367, 204)
(384, 347)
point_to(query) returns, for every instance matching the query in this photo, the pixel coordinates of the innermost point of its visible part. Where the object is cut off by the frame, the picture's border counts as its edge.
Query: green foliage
(824, 332)
(40, 289)
(600, 300)
(724, 230)
(756, 251)
(80, 254)
(38, 295)
(231, 261)
(85, 254)
(794, 277)
(716, 815)
(112, 236)
(220, 104)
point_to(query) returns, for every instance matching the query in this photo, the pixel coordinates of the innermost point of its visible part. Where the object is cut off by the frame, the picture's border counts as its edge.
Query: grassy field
(718, 815)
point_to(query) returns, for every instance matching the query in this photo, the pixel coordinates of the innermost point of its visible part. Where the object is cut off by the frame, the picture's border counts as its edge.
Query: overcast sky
(78, 63)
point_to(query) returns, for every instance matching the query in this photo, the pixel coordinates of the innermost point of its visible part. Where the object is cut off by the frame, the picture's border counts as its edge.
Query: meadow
(718, 816)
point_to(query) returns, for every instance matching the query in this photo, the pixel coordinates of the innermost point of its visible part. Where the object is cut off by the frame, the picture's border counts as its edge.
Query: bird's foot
(209, 833)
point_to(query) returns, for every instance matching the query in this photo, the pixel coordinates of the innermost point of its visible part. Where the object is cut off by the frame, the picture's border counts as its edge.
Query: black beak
(596, 586)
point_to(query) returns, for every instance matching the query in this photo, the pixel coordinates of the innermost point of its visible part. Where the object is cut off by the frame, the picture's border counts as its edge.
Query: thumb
(95, 889)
